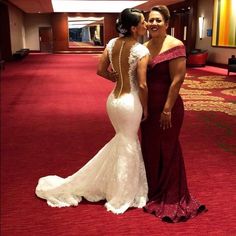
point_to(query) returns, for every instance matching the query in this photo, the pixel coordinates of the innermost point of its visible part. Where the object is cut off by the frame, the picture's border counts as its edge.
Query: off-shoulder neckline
(168, 50)
(165, 54)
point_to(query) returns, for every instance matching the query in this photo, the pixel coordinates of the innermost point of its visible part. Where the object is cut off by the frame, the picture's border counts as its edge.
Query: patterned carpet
(209, 93)
(53, 120)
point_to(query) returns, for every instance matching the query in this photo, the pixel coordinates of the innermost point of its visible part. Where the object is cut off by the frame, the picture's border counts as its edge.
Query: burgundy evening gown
(169, 197)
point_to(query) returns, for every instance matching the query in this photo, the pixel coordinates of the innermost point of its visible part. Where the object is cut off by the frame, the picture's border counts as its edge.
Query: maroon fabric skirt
(169, 197)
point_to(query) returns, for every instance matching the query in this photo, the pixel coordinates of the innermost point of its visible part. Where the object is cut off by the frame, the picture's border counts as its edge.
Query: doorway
(45, 39)
(5, 39)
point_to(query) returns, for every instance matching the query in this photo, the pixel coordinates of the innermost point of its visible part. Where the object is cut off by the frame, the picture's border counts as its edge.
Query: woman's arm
(177, 68)
(143, 90)
(103, 66)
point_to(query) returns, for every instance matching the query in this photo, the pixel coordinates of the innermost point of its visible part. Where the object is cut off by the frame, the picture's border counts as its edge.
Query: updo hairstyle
(163, 10)
(128, 17)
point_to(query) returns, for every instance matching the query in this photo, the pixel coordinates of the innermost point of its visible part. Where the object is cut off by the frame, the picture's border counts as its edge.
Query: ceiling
(45, 6)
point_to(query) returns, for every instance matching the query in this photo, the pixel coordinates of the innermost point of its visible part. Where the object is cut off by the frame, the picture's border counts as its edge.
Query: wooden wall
(5, 38)
(60, 30)
(184, 14)
(180, 18)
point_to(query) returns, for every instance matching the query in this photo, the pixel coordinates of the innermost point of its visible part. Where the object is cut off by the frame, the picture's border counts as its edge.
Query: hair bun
(119, 27)
(128, 17)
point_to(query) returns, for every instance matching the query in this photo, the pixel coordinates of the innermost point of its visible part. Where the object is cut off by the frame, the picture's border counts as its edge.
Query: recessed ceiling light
(93, 6)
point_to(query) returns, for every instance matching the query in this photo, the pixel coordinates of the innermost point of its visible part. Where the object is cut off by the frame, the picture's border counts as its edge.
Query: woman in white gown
(116, 173)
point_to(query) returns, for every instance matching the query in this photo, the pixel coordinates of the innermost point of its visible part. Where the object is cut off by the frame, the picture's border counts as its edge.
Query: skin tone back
(105, 71)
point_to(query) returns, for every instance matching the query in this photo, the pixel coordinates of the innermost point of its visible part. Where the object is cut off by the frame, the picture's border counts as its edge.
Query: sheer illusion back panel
(120, 61)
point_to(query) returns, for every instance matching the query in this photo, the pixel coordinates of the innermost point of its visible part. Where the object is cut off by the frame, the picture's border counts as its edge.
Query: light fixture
(172, 31)
(200, 24)
(185, 33)
(93, 6)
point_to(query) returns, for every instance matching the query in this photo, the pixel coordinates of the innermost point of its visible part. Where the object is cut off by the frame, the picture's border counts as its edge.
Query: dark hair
(163, 10)
(128, 17)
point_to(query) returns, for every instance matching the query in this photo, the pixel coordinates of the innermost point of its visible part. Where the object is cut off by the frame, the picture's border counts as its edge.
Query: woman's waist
(128, 102)
(119, 94)
(158, 92)
(159, 100)
(131, 96)
(158, 83)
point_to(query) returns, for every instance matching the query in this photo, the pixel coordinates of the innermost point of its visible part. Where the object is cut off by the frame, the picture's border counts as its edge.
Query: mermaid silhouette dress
(168, 191)
(116, 173)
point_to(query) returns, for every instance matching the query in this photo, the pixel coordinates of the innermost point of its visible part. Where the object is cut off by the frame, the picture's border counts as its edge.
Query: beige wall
(17, 31)
(32, 23)
(25, 31)
(24, 28)
(216, 54)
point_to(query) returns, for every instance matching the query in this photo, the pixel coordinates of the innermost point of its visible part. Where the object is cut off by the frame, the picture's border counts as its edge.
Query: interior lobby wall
(60, 30)
(216, 54)
(5, 39)
(17, 30)
(32, 22)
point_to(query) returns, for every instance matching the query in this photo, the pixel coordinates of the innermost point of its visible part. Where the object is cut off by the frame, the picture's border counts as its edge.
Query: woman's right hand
(165, 120)
(145, 115)
(113, 76)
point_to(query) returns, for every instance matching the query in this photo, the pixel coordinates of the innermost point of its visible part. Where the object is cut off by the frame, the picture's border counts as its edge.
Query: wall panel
(60, 30)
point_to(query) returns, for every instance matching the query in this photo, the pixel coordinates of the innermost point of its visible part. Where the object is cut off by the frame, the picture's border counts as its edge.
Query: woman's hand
(145, 115)
(113, 76)
(165, 120)
(104, 70)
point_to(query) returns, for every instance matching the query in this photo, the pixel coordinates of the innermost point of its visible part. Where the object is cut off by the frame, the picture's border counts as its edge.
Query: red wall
(5, 39)
(184, 14)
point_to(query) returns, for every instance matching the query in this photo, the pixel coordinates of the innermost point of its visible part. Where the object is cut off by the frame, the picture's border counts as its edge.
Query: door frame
(40, 46)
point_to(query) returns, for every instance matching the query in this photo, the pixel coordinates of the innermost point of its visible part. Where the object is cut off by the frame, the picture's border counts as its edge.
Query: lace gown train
(116, 173)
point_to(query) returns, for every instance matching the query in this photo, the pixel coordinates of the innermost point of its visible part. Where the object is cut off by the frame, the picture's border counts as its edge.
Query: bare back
(120, 62)
(124, 56)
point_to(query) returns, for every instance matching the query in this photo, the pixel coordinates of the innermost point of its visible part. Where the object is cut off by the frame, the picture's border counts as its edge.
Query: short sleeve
(111, 44)
(141, 51)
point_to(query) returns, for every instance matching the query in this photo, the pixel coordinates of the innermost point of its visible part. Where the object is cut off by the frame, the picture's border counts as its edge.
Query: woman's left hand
(145, 115)
(165, 120)
(113, 76)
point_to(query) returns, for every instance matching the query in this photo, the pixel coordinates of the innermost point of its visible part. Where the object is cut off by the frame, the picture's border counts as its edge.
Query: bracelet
(167, 113)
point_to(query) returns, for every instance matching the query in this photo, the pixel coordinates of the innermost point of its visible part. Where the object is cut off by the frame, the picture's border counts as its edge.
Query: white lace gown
(116, 173)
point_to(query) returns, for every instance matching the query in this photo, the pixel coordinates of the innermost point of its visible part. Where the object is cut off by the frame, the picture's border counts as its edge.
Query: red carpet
(54, 120)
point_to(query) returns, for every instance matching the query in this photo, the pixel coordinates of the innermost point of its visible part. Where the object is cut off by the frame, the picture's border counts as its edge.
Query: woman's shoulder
(141, 47)
(174, 48)
(112, 40)
(139, 50)
(146, 43)
(173, 42)
(111, 44)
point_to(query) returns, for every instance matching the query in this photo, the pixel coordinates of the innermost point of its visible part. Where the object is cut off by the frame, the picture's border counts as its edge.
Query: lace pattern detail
(137, 51)
(115, 174)
(110, 45)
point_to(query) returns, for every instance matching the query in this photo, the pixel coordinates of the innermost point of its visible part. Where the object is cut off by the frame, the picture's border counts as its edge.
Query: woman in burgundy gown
(169, 197)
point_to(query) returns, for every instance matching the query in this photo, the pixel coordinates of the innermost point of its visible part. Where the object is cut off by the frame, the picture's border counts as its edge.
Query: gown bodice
(159, 79)
(137, 51)
(158, 68)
